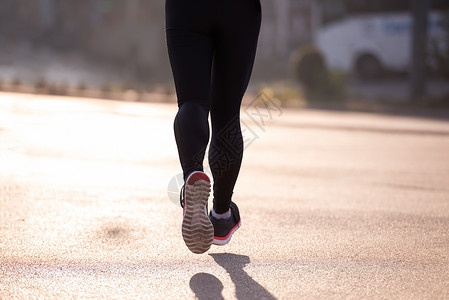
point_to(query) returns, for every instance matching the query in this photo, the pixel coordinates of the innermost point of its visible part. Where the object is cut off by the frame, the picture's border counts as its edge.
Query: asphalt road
(333, 205)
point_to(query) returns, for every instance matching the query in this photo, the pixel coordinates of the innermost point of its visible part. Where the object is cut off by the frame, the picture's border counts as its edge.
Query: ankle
(225, 215)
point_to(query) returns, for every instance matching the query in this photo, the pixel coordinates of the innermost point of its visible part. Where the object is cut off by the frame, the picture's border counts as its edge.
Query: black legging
(212, 45)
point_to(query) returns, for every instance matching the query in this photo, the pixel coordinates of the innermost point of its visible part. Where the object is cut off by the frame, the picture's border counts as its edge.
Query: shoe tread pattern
(197, 229)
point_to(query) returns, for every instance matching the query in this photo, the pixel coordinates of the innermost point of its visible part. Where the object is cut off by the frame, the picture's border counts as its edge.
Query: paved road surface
(334, 204)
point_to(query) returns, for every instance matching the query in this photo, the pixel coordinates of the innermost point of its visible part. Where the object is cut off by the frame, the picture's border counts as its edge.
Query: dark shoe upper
(223, 227)
(182, 195)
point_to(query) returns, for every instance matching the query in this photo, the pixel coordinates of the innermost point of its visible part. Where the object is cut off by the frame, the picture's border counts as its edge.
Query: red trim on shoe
(230, 232)
(198, 175)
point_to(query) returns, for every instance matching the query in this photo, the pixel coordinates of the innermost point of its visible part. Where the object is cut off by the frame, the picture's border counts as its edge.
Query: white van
(370, 44)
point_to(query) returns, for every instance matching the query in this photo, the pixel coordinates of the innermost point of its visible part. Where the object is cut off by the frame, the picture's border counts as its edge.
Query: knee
(194, 104)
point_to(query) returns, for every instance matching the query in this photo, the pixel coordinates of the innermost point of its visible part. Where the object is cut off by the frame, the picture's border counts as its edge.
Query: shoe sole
(197, 229)
(223, 241)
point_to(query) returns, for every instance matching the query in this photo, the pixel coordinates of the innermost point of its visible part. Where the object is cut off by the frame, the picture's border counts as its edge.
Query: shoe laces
(182, 195)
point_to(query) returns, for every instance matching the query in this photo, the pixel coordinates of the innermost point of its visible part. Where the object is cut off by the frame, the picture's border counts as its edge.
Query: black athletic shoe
(197, 229)
(224, 228)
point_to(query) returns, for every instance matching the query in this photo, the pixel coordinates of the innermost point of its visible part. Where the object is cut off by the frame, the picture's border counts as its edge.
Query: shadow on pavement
(245, 286)
(206, 286)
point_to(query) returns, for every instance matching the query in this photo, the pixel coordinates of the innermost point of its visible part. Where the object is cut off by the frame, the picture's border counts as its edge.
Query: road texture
(333, 205)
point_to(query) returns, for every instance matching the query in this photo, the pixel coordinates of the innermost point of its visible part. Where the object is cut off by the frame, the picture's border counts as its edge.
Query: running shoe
(197, 229)
(225, 228)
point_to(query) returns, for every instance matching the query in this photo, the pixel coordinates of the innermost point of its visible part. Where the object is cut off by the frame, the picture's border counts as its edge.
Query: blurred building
(286, 25)
(131, 33)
